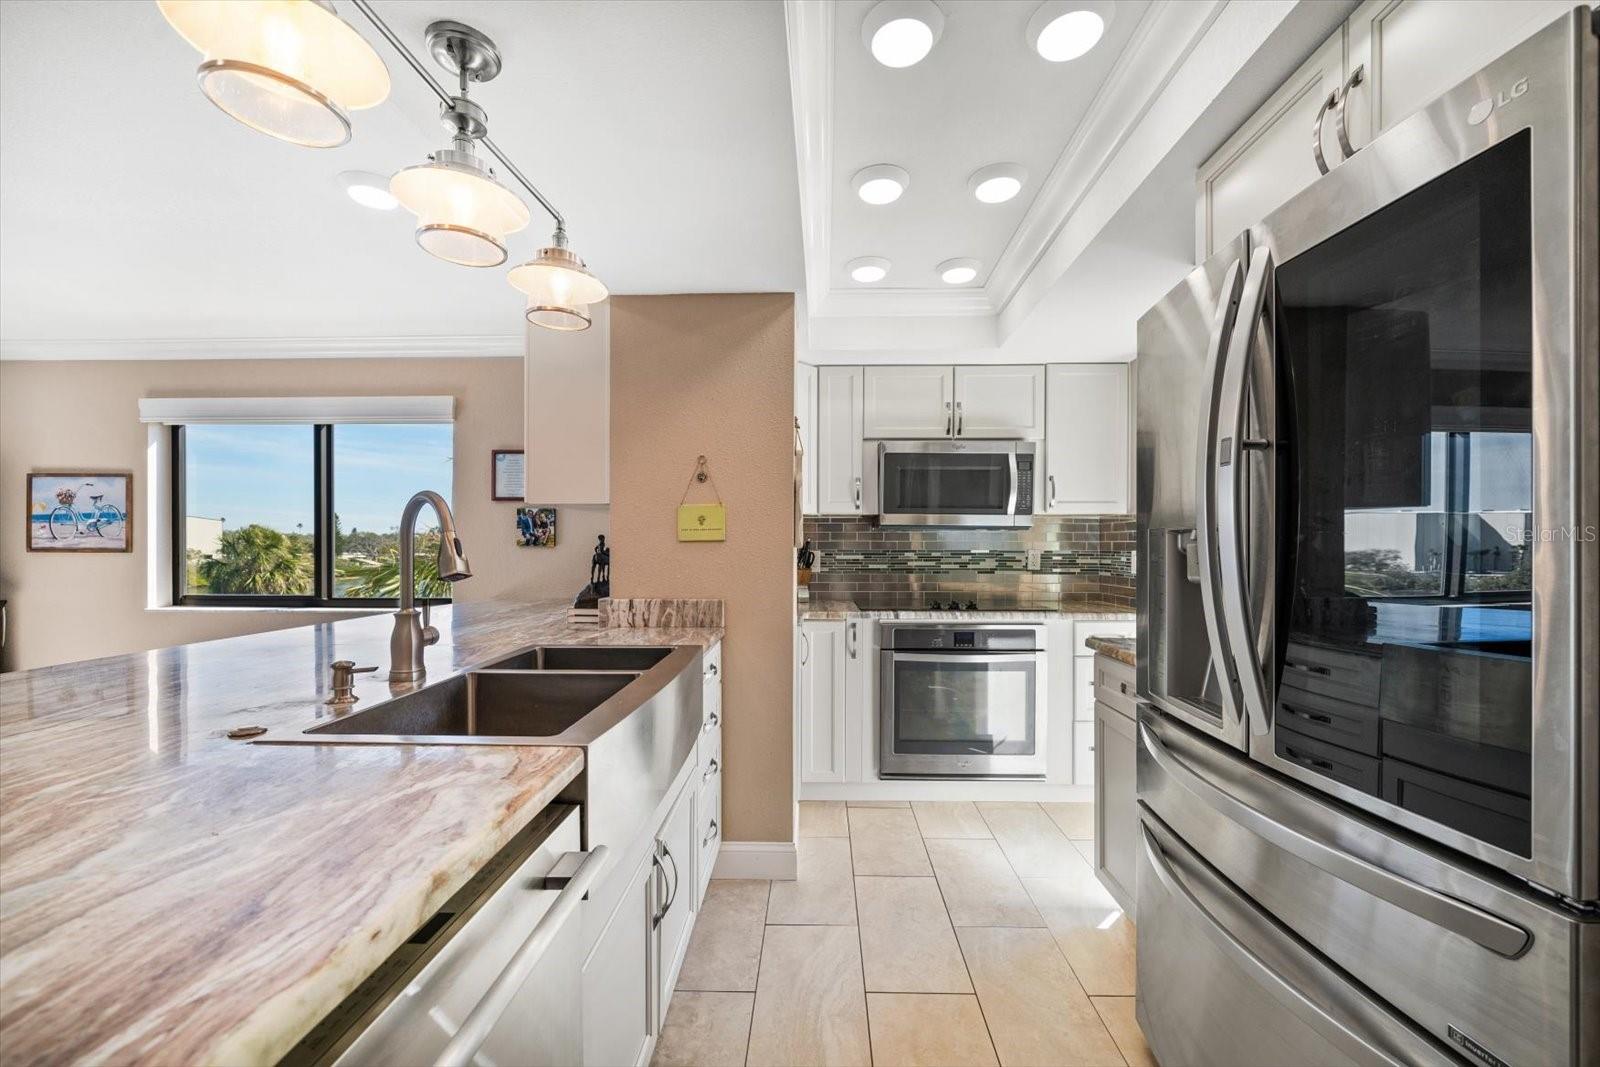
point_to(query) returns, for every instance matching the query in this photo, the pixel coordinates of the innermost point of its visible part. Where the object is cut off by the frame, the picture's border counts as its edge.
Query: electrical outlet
(1035, 559)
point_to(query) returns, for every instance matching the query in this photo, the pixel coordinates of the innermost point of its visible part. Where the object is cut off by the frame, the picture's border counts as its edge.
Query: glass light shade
(557, 279)
(463, 215)
(901, 33)
(289, 68)
(568, 319)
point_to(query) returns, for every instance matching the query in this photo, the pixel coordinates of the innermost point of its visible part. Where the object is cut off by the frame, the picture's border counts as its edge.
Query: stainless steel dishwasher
(491, 978)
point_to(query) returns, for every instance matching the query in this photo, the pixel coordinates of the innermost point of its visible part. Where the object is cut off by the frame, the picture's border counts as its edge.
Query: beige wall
(77, 606)
(714, 375)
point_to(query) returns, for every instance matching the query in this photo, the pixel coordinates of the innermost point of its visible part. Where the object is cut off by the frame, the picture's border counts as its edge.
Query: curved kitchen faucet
(411, 633)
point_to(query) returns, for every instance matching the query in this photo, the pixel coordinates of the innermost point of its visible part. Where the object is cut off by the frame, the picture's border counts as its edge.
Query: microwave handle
(1011, 501)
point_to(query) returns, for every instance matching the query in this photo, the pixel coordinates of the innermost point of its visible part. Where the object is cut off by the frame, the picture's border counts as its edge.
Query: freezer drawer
(1472, 958)
(1221, 983)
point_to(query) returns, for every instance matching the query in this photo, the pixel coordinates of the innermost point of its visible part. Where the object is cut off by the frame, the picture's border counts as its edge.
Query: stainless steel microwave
(953, 483)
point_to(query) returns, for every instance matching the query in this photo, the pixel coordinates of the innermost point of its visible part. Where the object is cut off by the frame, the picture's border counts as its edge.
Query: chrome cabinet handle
(711, 769)
(850, 638)
(711, 669)
(858, 493)
(1340, 130)
(805, 654)
(1050, 480)
(1492, 932)
(1222, 324)
(1316, 131)
(1228, 495)
(949, 421)
(476, 1026)
(711, 832)
(959, 418)
(711, 720)
(661, 879)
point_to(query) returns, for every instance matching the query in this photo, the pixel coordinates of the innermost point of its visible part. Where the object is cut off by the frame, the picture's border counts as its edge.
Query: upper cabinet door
(1269, 159)
(1086, 451)
(839, 412)
(1413, 50)
(805, 413)
(904, 402)
(1000, 402)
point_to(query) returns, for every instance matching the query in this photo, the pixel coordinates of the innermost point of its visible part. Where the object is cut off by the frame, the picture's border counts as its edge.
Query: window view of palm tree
(250, 508)
(376, 469)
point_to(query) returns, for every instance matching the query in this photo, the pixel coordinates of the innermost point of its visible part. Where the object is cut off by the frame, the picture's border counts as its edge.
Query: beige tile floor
(946, 934)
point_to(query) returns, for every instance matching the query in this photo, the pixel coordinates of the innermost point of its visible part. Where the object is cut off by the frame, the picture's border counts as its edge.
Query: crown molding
(504, 345)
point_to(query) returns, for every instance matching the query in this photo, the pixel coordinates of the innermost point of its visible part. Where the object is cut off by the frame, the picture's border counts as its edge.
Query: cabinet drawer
(710, 765)
(1114, 685)
(709, 830)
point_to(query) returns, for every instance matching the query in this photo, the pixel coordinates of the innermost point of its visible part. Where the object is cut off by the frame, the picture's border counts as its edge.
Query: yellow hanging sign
(702, 522)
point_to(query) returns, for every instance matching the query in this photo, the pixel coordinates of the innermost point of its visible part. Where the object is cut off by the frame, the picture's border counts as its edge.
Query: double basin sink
(549, 695)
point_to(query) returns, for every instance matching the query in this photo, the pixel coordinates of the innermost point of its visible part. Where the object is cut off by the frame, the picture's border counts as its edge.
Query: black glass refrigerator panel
(946, 483)
(1405, 351)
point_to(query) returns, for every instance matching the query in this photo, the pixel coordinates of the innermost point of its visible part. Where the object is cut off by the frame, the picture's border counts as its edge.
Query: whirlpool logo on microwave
(1480, 111)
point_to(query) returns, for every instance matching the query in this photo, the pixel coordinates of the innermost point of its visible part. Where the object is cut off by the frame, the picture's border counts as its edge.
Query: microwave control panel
(1024, 484)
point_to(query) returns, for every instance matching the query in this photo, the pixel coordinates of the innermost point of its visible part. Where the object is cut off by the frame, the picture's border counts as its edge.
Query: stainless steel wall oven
(961, 700)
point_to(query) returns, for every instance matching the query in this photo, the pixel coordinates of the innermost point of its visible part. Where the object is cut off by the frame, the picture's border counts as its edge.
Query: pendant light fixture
(292, 69)
(463, 213)
(558, 286)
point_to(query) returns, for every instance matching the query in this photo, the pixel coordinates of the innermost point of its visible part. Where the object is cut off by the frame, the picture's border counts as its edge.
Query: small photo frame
(508, 474)
(80, 511)
(536, 527)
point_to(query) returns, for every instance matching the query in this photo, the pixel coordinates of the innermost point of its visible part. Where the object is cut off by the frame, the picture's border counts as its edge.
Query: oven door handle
(962, 657)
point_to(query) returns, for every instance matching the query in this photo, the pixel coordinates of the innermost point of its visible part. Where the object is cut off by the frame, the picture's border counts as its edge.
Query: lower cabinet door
(1083, 753)
(1116, 831)
(677, 845)
(617, 1002)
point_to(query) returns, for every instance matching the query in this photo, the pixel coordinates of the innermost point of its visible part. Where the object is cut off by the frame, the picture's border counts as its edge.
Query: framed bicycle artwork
(80, 511)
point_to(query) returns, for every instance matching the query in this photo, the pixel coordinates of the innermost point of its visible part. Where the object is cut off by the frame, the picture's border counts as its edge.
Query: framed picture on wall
(508, 478)
(80, 511)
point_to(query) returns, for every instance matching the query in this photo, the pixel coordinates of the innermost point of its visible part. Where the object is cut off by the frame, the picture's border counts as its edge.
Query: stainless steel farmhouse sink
(584, 658)
(494, 703)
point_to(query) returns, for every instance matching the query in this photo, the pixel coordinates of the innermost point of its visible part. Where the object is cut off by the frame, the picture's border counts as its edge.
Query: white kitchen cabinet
(1003, 402)
(840, 409)
(708, 813)
(1413, 50)
(1116, 818)
(617, 978)
(1083, 753)
(820, 724)
(1088, 431)
(567, 413)
(909, 402)
(1408, 52)
(805, 413)
(1269, 159)
(676, 846)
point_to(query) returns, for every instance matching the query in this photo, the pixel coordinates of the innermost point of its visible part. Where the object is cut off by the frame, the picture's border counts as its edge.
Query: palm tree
(258, 559)
(381, 577)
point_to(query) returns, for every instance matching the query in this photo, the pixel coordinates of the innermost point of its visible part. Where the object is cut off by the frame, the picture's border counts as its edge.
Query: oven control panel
(968, 638)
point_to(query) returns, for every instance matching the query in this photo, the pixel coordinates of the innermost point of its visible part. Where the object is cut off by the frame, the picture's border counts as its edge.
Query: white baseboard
(885, 789)
(756, 859)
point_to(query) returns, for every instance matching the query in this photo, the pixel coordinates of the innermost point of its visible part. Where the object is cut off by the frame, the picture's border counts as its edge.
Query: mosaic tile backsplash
(1057, 559)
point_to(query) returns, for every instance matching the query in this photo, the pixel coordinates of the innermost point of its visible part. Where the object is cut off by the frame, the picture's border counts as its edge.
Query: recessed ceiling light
(900, 33)
(368, 189)
(880, 184)
(997, 183)
(958, 271)
(868, 269)
(1065, 29)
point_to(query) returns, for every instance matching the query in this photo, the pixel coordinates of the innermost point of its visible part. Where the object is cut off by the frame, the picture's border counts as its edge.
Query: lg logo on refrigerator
(1485, 107)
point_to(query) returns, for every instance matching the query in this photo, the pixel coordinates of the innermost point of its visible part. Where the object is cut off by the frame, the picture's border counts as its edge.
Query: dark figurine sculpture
(599, 586)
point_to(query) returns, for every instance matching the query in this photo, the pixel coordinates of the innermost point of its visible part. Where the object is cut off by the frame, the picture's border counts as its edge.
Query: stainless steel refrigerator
(1369, 602)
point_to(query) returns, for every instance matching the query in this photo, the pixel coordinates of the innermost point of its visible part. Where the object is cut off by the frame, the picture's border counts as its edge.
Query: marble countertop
(1121, 649)
(170, 896)
(1081, 610)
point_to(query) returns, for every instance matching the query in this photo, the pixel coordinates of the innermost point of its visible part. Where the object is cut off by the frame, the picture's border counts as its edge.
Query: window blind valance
(189, 410)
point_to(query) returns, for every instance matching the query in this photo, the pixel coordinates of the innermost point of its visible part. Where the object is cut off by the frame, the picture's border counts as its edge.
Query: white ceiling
(981, 96)
(130, 208)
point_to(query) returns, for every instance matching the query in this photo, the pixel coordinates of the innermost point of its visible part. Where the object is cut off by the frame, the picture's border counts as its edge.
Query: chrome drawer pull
(711, 720)
(710, 770)
(711, 834)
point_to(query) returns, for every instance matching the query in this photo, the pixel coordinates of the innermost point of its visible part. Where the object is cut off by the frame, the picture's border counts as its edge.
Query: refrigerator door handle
(1490, 931)
(1226, 479)
(1363, 1032)
(1222, 325)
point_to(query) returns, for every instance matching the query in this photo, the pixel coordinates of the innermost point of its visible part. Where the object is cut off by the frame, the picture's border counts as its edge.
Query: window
(301, 515)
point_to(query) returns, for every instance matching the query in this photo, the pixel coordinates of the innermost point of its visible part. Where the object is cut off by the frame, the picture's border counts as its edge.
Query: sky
(263, 474)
